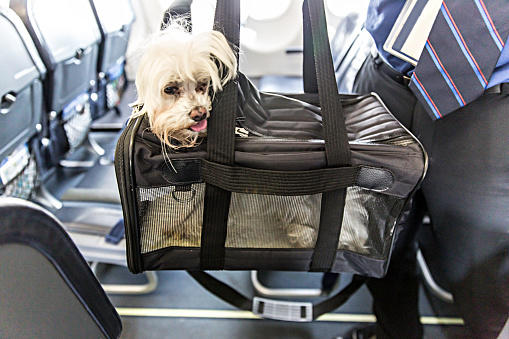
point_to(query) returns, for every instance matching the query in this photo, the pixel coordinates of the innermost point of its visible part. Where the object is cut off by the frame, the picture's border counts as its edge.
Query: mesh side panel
(23, 185)
(78, 126)
(368, 222)
(172, 216)
(114, 91)
(267, 221)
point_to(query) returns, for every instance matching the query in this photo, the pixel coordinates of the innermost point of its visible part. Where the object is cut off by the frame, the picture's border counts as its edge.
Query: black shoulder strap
(337, 149)
(220, 147)
(221, 143)
(259, 305)
(308, 57)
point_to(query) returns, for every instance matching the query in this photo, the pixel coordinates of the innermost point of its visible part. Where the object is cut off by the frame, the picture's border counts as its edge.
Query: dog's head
(178, 75)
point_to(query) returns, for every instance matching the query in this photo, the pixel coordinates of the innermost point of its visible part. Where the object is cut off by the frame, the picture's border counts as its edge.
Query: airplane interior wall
(266, 35)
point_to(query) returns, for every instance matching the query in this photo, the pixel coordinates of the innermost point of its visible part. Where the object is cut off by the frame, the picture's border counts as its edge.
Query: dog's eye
(170, 90)
(201, 88)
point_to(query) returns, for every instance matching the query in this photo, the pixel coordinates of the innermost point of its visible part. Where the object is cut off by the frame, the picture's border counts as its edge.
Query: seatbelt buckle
(283, 310)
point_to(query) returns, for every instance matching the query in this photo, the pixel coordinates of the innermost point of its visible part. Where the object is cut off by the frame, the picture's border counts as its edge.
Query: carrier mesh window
(172, 216)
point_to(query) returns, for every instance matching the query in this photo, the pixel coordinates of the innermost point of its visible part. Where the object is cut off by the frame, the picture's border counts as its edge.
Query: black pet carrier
(309, 182)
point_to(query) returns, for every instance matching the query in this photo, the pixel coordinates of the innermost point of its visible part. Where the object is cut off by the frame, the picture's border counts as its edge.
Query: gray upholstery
(47, 289)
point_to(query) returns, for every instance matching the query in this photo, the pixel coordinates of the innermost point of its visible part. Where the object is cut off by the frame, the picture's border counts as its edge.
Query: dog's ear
(222, 56)
(226, 57)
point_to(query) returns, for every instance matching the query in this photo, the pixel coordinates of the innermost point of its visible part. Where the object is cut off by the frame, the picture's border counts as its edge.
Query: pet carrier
(309, 182)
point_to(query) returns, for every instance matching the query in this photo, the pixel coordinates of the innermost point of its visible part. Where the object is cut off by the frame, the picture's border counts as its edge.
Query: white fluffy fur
(196, 64)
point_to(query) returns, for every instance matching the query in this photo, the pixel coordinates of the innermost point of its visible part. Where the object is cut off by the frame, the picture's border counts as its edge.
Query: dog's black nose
(198, 114)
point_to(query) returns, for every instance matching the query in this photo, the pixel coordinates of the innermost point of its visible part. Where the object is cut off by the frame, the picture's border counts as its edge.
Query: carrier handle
(220, 148)
(221, 142)
(337, 148)
(317, 56)
(317, 47)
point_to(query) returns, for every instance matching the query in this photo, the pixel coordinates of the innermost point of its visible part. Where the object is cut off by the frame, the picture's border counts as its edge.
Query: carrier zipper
(396, 140)
(241, 132)
(253, 134)
(246, 129)
(246, 133)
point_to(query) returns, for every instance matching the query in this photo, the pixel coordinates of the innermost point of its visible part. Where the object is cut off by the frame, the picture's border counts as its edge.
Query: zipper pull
(241, 132)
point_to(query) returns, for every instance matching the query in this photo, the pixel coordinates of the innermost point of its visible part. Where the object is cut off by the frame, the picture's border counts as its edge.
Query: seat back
(115, 19)
(67, 38)
(21, 107)
(350, 46)
(47, 288)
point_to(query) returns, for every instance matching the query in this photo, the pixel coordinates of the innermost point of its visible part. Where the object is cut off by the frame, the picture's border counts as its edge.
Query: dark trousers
(466, 191)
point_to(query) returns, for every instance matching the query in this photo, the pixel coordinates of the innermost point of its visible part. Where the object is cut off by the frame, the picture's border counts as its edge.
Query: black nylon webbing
(336, 139)
(222, 290)
(308, 57)
(220, 147)
(234, 298)
(288, 183)
(329, 230)
(221, 130)
(340, 298)
(337, 149)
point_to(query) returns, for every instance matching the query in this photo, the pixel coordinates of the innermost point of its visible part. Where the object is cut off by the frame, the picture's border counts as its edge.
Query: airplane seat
(115, 19)
(350, 45)
(21, 108)
(47, 288)
(67, 39)
(92, 215)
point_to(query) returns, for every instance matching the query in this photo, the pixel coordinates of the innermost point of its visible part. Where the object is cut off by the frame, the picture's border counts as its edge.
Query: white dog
(178, 75)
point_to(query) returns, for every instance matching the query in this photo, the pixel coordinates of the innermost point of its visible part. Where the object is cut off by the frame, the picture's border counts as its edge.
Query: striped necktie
(460, 54)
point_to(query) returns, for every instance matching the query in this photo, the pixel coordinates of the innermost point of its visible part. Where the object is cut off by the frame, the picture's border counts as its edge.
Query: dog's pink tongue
(199, 126)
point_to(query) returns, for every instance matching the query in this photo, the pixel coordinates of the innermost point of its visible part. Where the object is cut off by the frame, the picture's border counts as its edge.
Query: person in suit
(466, 190)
